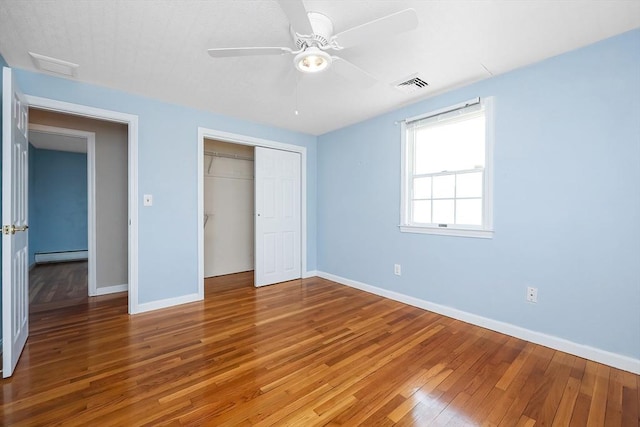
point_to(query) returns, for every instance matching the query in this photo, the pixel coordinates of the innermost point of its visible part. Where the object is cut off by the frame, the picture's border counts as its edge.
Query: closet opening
(229, 229)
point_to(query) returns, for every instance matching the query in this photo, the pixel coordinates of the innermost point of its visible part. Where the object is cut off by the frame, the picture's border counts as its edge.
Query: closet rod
(227, 156)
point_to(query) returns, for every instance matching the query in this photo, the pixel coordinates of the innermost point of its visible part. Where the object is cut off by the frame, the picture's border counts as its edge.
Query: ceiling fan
(312, 34)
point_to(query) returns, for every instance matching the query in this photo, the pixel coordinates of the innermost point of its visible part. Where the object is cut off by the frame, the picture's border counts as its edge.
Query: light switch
(148, 200)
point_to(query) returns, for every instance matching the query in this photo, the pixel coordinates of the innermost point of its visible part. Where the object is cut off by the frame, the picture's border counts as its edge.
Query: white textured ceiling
(159, 49)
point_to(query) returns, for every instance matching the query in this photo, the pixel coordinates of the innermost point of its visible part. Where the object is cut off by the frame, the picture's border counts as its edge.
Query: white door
(15, 271)
(278, 212)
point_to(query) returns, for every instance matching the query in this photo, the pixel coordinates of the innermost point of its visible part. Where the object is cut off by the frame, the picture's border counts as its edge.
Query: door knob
(11, 229)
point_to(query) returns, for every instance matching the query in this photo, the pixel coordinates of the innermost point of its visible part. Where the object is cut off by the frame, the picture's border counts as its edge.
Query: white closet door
(278, 211)
(228, 208)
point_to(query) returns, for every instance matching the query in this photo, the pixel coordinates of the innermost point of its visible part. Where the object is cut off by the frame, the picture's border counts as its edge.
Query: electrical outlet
(532, 294)
(397, 269)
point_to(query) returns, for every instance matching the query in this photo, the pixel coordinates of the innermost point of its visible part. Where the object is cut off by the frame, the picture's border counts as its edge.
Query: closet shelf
(213, 154)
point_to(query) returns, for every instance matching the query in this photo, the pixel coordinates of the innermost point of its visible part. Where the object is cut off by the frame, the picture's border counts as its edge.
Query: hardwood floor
(57, 285)
(301, 353)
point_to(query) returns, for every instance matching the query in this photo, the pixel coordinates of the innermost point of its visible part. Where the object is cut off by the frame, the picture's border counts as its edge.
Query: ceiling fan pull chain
(296, 96)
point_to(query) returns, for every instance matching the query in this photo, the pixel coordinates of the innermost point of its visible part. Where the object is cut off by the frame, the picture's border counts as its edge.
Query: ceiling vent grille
(411, 84)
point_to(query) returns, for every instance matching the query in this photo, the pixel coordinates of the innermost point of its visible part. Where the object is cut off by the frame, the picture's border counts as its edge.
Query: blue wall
(31, 200)
(58, 201)
(167, 168)
(566, 212)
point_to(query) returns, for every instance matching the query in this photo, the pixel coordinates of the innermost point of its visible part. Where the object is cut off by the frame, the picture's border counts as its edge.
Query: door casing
(131, 121)
(90, 139)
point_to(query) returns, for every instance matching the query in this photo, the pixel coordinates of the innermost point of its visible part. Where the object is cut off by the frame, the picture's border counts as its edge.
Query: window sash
(462, 115)
(455, 198)
(459, 112)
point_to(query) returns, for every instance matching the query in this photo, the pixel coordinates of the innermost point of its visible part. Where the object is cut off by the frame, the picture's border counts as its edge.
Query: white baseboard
(169, 302)
(61, 256)
(310, 273)
(112, 289)
(601, 356)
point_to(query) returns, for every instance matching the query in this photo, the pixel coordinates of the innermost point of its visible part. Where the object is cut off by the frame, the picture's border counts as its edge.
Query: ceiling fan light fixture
(312, 60)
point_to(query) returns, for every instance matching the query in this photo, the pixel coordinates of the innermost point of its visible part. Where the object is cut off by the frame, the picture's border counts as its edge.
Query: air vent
(53, 65)
(411, 84)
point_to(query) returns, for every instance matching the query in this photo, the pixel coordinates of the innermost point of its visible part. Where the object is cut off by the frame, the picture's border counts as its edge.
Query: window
(447, 171)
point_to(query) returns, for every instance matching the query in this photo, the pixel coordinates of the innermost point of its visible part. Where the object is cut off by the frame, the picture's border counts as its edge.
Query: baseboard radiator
(47, 257)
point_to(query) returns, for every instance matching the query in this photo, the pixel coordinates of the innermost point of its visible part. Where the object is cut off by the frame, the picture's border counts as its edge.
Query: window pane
(444, 186)
(422, 188)
(469, 185)
(443, 212)
(422, 211)
(469, 212)
(450, 146)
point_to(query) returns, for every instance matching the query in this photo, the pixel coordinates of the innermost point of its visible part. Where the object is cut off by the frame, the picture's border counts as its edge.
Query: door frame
(90, 140)
(131, 121)
(234, 138)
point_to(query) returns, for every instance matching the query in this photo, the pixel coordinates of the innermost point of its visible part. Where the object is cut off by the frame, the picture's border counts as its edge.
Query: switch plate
(397, 269)
(532, 294)
(148, 200)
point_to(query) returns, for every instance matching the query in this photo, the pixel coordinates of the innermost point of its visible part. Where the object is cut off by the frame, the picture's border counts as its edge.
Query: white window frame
(483, 231)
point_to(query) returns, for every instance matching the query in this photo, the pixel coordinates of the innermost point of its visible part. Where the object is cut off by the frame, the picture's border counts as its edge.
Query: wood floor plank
(522, 396)
(614, 401)
(630, 399)
(567, 403)
(437, 376)
(599, 400)
(551, 403)
(514, 368)
(581, 411)
(305, 352)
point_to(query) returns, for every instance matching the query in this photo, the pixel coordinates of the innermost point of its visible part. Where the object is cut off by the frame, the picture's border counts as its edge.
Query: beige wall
(111, 191)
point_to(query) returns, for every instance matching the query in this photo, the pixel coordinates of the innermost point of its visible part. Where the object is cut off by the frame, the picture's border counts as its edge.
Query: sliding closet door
(277, 192)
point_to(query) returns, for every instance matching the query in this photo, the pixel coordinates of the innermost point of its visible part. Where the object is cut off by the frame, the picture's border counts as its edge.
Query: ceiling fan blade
(297, 14)
(353, 73)
(225, 52)
(389, 25)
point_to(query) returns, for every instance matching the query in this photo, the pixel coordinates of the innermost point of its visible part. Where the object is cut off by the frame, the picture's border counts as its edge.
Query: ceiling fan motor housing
(322, 31)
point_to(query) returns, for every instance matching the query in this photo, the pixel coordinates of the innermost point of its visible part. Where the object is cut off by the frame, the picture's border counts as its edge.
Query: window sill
(458, 232)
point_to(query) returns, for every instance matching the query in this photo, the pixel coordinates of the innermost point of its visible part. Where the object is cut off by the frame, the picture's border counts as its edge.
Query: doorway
(131, 123)
(93, 223)
(62, 197)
